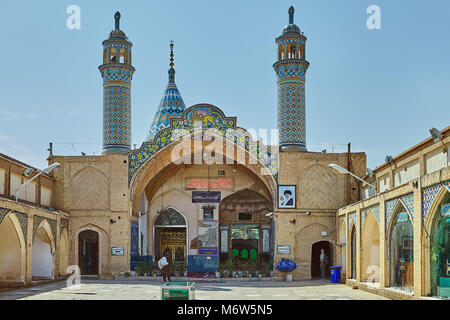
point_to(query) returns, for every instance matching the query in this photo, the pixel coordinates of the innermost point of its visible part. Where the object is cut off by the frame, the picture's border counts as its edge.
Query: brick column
(417, 227)
(384, 265)
(358, 244)
(29, 249)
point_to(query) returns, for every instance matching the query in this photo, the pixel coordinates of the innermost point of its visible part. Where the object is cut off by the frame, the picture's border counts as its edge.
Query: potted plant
(173, 269)
(222, 269)
(181, 270)
(229, 267)
(245, 268)
(287, 266)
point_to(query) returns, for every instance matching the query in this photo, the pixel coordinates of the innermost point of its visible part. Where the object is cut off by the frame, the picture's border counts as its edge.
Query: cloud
(8, 115)
(4, 138)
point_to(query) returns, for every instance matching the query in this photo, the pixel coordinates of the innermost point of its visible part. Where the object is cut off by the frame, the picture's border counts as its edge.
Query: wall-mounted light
(112, 221)
(292, 221)
(308, 213)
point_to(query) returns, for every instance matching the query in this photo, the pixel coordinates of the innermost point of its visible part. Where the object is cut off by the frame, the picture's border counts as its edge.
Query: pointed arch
(43, 250)
(12, 247)
(342, 244)
(103, 246)
(353, 251)
(370, 249)
(90, 189)
(432, 211)
(63, 252)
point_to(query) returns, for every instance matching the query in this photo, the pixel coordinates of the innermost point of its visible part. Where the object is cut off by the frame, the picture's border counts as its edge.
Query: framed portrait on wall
(287, 197)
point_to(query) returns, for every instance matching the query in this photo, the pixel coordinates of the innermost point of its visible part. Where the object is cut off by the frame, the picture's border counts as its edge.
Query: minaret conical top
(117, 19)
(291, 14)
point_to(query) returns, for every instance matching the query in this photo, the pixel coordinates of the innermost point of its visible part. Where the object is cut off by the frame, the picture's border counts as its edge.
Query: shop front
(440, 250)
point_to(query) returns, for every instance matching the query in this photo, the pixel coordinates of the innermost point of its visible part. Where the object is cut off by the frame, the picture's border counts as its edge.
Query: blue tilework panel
(209, 117)
(429, 195)
(407, 201)
(116, 117)
(291, 113)
(375, 210)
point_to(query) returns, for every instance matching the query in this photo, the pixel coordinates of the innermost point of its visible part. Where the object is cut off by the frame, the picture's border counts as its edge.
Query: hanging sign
(206, 196)
(210, 251)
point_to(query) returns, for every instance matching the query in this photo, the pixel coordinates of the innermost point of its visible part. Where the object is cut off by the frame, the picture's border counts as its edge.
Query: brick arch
(307, 184)
(304, 240)
(162, 164)
(90, 189)
(103, 246)
(20, 270)
(432, 211)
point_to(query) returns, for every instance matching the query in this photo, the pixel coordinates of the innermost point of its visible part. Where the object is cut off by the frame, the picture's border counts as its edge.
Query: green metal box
(178, 291)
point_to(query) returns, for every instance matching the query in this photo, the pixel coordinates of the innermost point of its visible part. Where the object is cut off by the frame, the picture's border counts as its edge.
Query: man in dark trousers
(166, 269)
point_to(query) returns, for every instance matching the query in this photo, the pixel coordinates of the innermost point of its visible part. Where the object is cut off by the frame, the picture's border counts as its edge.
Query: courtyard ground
(230, 290)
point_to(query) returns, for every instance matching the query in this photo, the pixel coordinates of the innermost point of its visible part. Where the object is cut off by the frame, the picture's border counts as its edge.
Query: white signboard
(117, 251)
(283, 249)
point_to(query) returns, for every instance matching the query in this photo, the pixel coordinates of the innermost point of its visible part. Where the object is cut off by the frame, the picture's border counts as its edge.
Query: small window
(281, 52)
(122, 55)
(245, 216)
(113, 55)
(291, 51)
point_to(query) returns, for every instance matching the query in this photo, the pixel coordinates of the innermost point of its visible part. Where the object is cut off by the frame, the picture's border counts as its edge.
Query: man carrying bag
(164, 264)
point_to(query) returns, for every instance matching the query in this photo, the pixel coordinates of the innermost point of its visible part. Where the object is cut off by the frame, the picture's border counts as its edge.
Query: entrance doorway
(173, 242)
(171, 235)
(315, 259)
(88, 252)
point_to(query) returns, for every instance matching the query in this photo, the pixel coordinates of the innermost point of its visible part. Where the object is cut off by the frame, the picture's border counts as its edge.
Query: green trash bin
(178, 291)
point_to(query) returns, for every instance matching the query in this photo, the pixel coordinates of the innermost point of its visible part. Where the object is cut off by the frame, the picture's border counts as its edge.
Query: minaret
(171, 105)
(117, 73)
(291, 69)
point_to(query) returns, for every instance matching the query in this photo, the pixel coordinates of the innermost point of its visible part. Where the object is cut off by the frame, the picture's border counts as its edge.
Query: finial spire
(171, 53)
(171, 70)
(117, 19)
(291, 14)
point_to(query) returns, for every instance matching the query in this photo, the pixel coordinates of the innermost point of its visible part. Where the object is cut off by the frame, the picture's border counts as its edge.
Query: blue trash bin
(335, 274)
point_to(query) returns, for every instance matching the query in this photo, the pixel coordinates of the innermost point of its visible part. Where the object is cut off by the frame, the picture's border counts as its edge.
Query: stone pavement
(230, 290)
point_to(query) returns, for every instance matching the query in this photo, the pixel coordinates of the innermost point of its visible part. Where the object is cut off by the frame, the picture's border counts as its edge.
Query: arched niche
(12, 250)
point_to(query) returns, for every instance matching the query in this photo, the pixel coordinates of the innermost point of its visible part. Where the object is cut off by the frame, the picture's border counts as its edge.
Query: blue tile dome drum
(290, 70)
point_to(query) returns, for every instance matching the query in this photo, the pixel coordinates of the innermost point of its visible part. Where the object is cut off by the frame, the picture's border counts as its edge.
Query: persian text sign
(210, 251)
(209, 183)
(206, 196)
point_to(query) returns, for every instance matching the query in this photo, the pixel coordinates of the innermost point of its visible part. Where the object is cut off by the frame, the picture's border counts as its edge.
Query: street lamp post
(339, 169)
(46, 170)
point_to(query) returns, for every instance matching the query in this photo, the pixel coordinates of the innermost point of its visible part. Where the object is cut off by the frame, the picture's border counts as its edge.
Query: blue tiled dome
(171, 105)
(291, 28)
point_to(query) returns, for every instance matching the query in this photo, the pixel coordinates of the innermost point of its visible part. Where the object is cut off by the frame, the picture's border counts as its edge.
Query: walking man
(164, 264)
(323, 263)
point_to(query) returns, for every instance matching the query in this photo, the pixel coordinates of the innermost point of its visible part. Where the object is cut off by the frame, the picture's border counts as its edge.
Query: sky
(381, 89)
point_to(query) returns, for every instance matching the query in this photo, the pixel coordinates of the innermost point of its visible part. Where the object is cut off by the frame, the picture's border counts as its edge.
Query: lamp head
(338, 169)
(51, 167)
